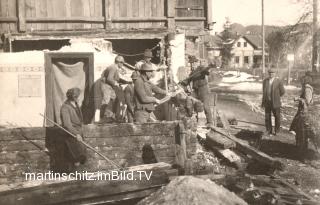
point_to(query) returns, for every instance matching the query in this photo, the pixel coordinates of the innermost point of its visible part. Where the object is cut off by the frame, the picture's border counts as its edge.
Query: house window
(245, 44)
(239, 44)
(237, 59)
(246, 59)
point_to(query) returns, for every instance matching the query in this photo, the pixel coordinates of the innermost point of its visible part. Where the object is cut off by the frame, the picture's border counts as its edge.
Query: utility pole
(263, 39)
(315, 37)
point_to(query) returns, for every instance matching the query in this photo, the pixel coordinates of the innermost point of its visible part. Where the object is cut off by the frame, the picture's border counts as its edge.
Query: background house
(246, 50)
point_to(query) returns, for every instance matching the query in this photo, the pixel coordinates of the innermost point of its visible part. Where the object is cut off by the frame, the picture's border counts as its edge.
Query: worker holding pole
(72, 120)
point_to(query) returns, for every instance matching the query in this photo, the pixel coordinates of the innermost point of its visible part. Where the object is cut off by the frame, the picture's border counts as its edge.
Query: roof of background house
(254, 39)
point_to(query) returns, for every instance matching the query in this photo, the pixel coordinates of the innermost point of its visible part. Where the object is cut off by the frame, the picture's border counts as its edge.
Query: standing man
(72, 120)
(198, 77)
(143, 90)
(273, 90)
(111, 90)
(129, 97)
(147, 56)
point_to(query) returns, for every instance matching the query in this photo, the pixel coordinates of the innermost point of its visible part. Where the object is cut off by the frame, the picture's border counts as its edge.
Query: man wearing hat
(200, 86)
(273, 90)
(72, 151)
(129, 97)
(111, 89)
(143, 91)
(147, 56)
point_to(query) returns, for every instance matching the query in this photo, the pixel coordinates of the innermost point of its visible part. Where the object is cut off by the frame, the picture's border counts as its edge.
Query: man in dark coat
(198, 77)
(143, 90)
(72, 120)
(273, 90)
(129, 97)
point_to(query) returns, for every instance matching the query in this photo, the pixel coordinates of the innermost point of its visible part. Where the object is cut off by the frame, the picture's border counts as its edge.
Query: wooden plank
(181, 147)
(123, 4)
(138, 19)
(141, 12)
(87, 7)
(8, 19)
(218, 140)
(246, 148)
(43, 13)
(77, 190)
(160, 8)
(68, 13)
(33, 14)
(154, 12)
(135, 13)
(135, 8)
(28, 13)
(12, 11)
(97, 12)
(38, 13)
(77, 10)
(50, 13)
(108, 14)
(123, 12)
(118, 198)
(116, 10)
(21, 16)
(190, 18)
(171, 14)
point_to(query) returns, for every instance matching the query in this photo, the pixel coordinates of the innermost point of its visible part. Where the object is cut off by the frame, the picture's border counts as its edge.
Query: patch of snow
(233, 77)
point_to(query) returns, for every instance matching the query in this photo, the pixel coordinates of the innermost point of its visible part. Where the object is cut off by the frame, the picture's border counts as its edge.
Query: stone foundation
(122, 143)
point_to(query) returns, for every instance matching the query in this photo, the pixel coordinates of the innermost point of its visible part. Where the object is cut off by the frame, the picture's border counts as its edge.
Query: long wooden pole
(263, 38)
(84, 143)
(315, 37)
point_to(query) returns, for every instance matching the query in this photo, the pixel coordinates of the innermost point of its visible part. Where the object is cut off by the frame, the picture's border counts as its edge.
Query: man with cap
(129, 97)
(273, 90)
(111, 90)
(200, 86)
(147, 56)
(143, 90)
(73, 152)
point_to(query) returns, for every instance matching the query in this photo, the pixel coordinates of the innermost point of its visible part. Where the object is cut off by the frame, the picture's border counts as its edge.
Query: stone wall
(21, 151)
(122, 143)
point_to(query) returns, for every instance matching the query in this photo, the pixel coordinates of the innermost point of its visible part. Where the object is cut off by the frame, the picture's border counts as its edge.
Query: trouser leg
(276, 113)
(268, 122)
(130, 117)
(204, 96)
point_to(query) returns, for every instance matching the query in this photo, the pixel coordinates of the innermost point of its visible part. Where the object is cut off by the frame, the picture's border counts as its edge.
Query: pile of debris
(191, 190)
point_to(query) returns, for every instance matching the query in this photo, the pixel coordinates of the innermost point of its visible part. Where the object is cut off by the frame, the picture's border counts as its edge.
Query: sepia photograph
(160, 102)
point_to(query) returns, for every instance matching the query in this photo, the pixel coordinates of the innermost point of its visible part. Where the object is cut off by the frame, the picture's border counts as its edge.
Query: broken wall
(22, 81)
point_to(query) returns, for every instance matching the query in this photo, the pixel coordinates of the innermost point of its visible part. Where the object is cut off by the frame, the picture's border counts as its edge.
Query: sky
(248, 12)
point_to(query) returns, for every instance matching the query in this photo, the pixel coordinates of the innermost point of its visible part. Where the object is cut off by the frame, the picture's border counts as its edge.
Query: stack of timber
(221, 141)
(93, 191)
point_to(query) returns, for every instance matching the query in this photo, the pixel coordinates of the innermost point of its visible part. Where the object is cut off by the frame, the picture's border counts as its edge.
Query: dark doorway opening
(132, 49)
(57, 83)
(29, 45)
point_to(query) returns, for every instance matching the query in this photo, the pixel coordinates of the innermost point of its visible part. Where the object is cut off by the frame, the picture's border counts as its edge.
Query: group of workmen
(138, 95)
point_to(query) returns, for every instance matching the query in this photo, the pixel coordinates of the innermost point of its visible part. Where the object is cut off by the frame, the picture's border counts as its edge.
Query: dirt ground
(306, 175)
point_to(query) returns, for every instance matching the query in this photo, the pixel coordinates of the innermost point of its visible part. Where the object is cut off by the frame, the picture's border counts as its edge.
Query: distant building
(247, 50)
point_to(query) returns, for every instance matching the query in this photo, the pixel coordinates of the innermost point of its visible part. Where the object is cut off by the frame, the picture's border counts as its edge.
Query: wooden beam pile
(92, 191)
